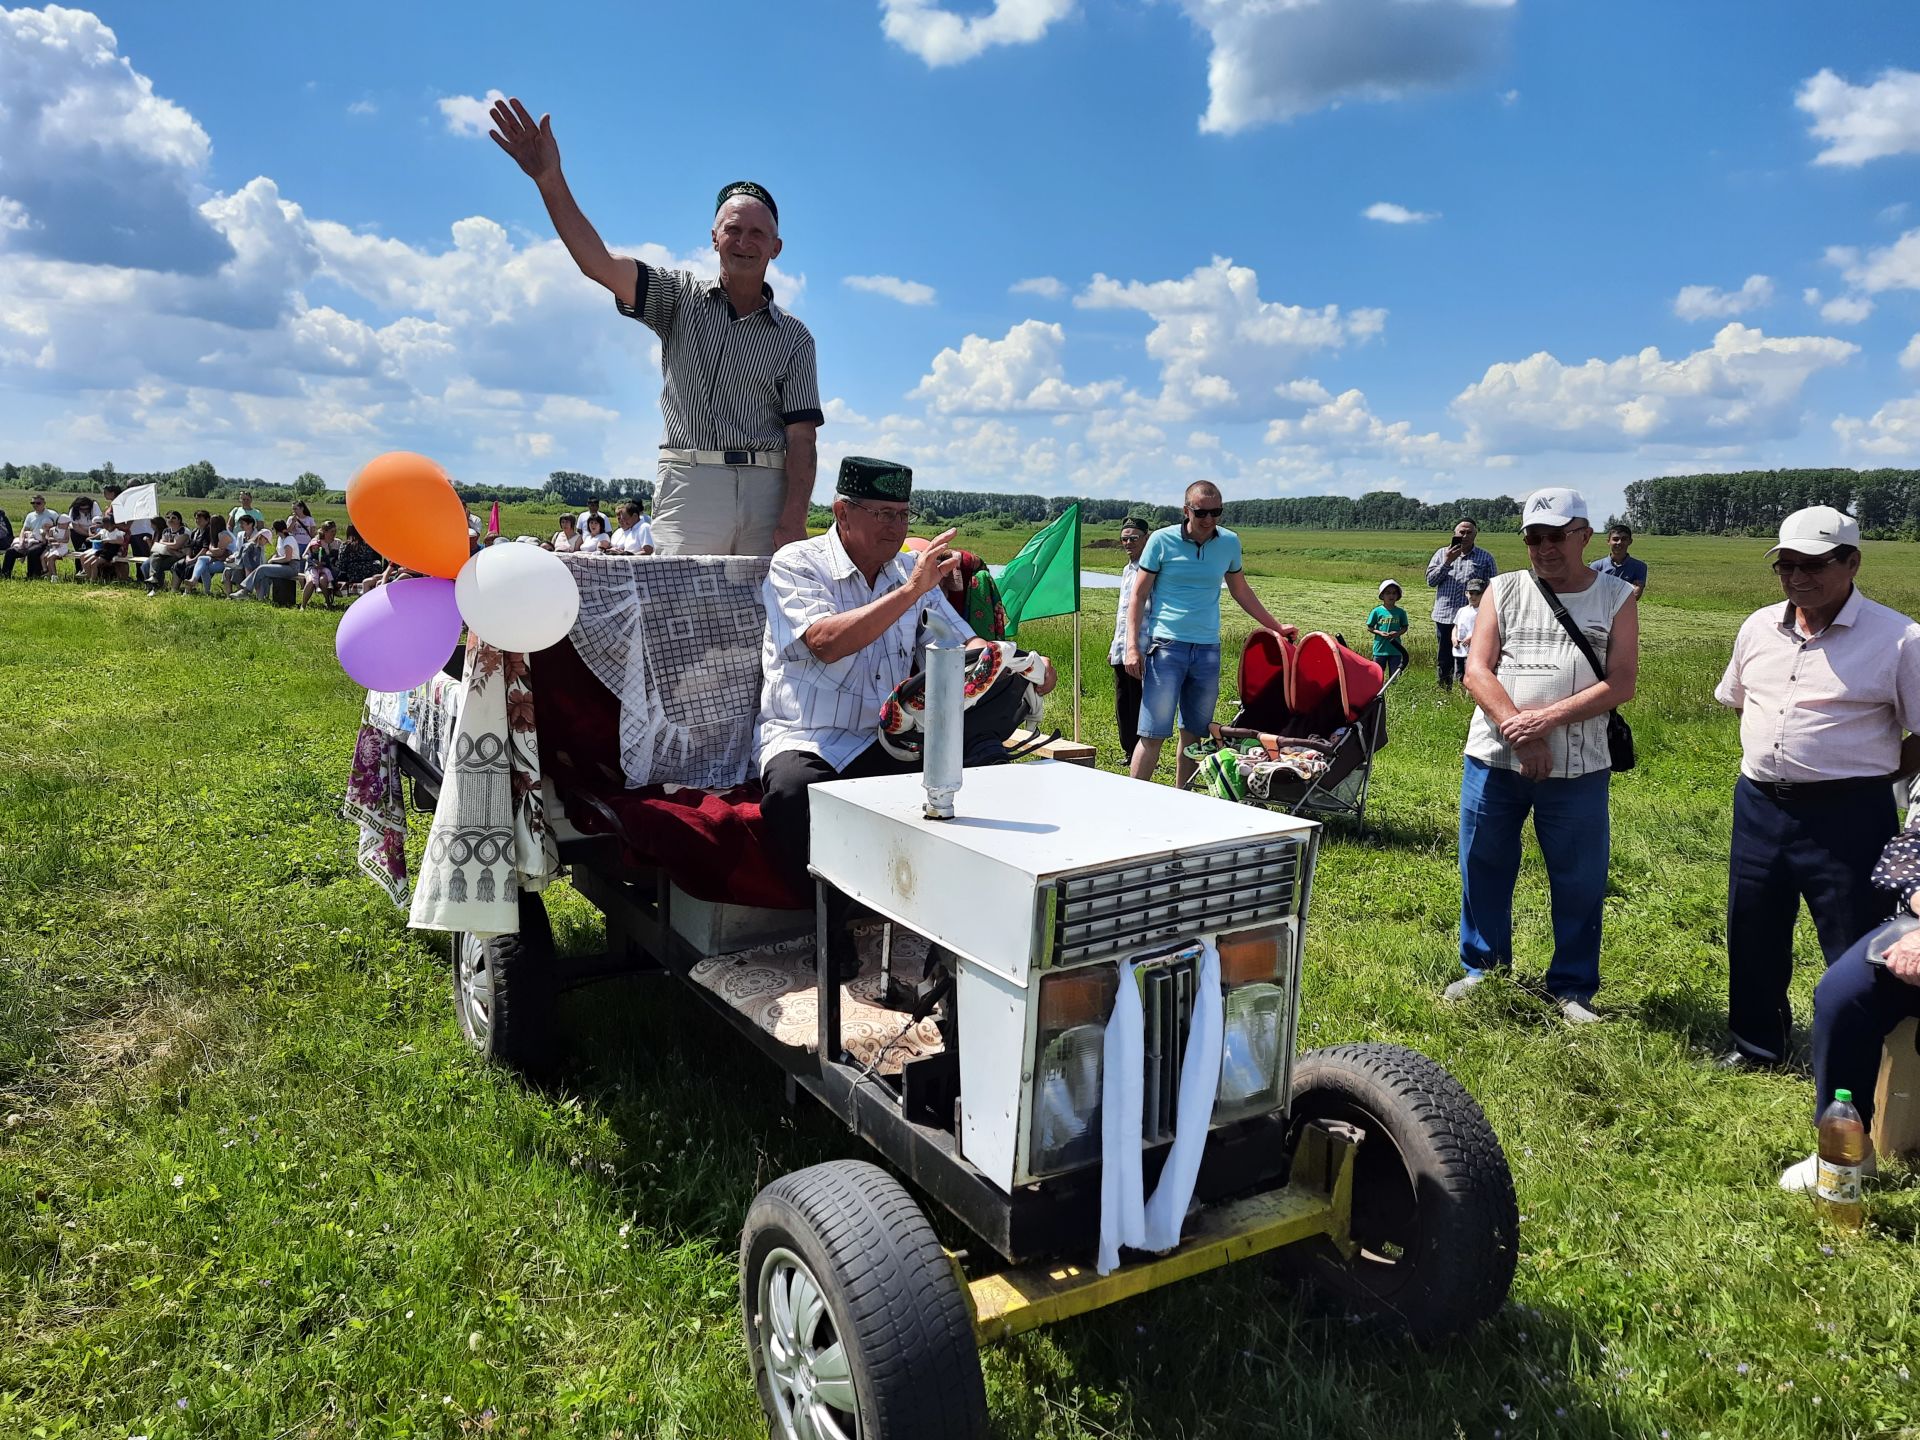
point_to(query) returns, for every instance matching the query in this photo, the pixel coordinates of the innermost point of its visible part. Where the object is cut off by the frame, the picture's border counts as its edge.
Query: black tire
(908, 1363)
(505, 995)
(1433, 1204)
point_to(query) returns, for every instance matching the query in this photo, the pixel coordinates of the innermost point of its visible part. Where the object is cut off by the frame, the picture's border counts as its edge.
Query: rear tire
(856, 1325)
(505, 994)
(1434, 1211)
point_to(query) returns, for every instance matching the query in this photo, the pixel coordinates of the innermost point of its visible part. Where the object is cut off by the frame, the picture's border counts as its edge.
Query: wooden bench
(1896, 1098)
(1071, 751)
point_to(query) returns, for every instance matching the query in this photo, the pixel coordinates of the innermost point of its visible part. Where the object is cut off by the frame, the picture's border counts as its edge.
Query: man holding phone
(1448, 572)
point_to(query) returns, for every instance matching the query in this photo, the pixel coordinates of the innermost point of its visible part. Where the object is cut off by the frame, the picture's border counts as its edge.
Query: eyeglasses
(1206, 512)
(1543, 536)
(1787, 567)
(901, 517)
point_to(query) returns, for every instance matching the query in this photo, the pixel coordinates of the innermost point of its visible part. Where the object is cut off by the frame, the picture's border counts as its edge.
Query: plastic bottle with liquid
(1843, 1150)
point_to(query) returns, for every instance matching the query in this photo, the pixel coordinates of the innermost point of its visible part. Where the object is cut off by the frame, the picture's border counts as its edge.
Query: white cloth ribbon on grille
(676, 638)
(1125, 1218)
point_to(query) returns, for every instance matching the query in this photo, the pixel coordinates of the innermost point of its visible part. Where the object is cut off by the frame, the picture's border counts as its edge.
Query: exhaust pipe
(945, 724)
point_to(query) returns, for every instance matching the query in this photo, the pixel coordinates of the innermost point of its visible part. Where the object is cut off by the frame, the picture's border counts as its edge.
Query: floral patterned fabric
(376, 804)
(489, 839)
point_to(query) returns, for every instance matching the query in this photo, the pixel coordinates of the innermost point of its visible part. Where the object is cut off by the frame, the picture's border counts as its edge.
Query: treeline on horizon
(1749, 502)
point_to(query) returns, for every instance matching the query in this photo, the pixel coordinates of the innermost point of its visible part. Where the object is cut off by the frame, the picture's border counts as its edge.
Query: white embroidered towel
(1199, 1085)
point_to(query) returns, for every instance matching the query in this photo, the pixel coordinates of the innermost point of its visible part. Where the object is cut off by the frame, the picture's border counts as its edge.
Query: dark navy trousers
(1817, 843)
(1855, 1007)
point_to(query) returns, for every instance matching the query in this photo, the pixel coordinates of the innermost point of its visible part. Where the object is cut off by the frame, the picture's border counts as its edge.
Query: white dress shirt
(632, 541)
(1831, 706)
(831, 708)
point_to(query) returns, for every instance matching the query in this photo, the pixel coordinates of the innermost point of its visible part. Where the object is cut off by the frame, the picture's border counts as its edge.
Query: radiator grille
(1221, 890)
(1166, 998)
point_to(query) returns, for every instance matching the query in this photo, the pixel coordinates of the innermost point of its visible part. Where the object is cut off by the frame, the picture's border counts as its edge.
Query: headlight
(1074, 1006)
(1256, 1026)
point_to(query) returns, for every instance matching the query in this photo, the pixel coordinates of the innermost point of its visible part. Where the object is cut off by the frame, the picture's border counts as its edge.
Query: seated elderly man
(843, 618)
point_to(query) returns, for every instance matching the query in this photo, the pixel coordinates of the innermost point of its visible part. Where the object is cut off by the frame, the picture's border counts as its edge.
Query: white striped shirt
(728, 381)
(831, 708)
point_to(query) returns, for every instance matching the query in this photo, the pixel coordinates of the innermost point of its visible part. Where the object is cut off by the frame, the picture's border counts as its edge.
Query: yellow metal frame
(1317, 1201)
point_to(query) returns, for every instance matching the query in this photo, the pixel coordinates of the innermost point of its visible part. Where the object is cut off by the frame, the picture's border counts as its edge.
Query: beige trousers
(716, 509)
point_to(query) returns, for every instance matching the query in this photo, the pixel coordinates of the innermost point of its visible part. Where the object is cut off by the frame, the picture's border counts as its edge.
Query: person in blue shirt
(1618, 562)
(1181, 571)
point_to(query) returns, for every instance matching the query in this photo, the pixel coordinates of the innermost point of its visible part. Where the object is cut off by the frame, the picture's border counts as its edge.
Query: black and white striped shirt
(730, 382)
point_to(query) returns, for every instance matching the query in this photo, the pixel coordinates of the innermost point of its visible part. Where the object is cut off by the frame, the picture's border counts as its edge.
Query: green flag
(1044, 578)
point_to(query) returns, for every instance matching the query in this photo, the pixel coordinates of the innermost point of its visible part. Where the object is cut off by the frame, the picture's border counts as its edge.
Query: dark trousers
(1820, 845)
(1446, 666)
(1855, 1007)
(32, 554)
(783, 800)
(1126, 709)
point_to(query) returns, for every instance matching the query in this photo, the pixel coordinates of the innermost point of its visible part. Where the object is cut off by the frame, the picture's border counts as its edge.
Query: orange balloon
(405, 507)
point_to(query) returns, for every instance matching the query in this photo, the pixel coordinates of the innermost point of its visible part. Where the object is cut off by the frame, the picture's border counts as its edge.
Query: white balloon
(517, 597)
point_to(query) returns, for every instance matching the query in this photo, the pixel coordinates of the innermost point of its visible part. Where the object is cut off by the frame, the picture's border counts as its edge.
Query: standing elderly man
(1181, 570)
(843, 617)
(1448, 572)
(739, 395)
(1126, 689)
(1826, 685)
(1538, 742)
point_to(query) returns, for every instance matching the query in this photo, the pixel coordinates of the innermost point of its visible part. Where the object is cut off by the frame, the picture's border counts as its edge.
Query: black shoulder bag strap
(1619, 734)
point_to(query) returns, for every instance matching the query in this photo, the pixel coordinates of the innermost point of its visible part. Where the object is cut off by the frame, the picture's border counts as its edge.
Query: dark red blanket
(712, 845)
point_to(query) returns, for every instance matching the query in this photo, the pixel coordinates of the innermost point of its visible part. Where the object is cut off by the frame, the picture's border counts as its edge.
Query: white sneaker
(1576, 1013)
(1804, 1178)
(1458, 989)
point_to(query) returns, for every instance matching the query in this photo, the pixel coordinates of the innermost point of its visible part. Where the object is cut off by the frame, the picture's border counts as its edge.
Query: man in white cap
(1538, 742)
(1827, 686)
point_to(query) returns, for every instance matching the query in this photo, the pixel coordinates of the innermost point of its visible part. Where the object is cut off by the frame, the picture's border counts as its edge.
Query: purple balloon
(395, 637)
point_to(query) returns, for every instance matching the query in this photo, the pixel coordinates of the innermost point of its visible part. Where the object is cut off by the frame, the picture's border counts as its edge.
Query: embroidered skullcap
(752, 192)
(865, 479)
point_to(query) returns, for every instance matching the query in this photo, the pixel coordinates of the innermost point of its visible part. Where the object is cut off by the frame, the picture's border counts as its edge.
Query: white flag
(137, 502)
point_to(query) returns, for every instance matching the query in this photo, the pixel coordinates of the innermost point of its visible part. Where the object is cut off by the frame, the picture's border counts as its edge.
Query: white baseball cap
(1556, 505)
(1386, 585)
(1816, 530)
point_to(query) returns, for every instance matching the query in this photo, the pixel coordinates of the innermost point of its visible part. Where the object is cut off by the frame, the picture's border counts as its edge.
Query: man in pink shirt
(1828, 687)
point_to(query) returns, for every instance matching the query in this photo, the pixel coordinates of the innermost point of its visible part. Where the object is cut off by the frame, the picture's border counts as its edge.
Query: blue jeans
(1183, 676)
(1570, 819)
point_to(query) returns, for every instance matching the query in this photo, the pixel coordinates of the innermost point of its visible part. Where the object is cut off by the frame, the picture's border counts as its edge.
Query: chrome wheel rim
(474, 985)
(808, 1372)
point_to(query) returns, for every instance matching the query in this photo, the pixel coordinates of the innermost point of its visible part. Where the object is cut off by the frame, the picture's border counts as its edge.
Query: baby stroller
(1312, 716)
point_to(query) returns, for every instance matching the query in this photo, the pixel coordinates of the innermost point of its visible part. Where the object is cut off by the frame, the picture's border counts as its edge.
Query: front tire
(856, 1325)
(1434, 1211)
(504, 992)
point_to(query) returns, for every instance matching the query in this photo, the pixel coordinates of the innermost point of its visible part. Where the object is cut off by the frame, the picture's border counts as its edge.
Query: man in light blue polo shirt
(1181, 572)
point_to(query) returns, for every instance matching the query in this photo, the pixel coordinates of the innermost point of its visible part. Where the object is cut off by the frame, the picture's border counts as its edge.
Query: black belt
(1820, 789)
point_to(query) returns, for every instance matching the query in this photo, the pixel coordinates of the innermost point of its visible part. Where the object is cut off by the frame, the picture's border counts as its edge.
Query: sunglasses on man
(1787, 567)
(1206, 512)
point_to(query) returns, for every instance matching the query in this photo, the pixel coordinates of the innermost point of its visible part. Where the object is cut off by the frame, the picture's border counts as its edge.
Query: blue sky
(1070, 246)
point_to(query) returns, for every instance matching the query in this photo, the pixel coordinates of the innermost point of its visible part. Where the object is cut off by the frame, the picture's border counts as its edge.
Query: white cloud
(1022, 372)
(1045, 286)
(13, 215)
(1863, 122)
(1220, 347)
(1891, 267)
(1846, 309)
(939, 37)
(1388, 213)
(1910, 357)
(1744, 387)
(363, 107)
(1345, 426)
(1707, 302)
(1275, 59)
(1893, 430)
(1509, 97)
(467, 116)
(109, 172)
(907, 292)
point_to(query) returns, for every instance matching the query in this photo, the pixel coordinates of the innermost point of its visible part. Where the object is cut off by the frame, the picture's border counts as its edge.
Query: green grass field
(252, 1186)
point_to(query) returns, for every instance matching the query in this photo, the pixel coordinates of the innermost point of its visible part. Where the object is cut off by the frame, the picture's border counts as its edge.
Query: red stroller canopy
(1311, 687)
